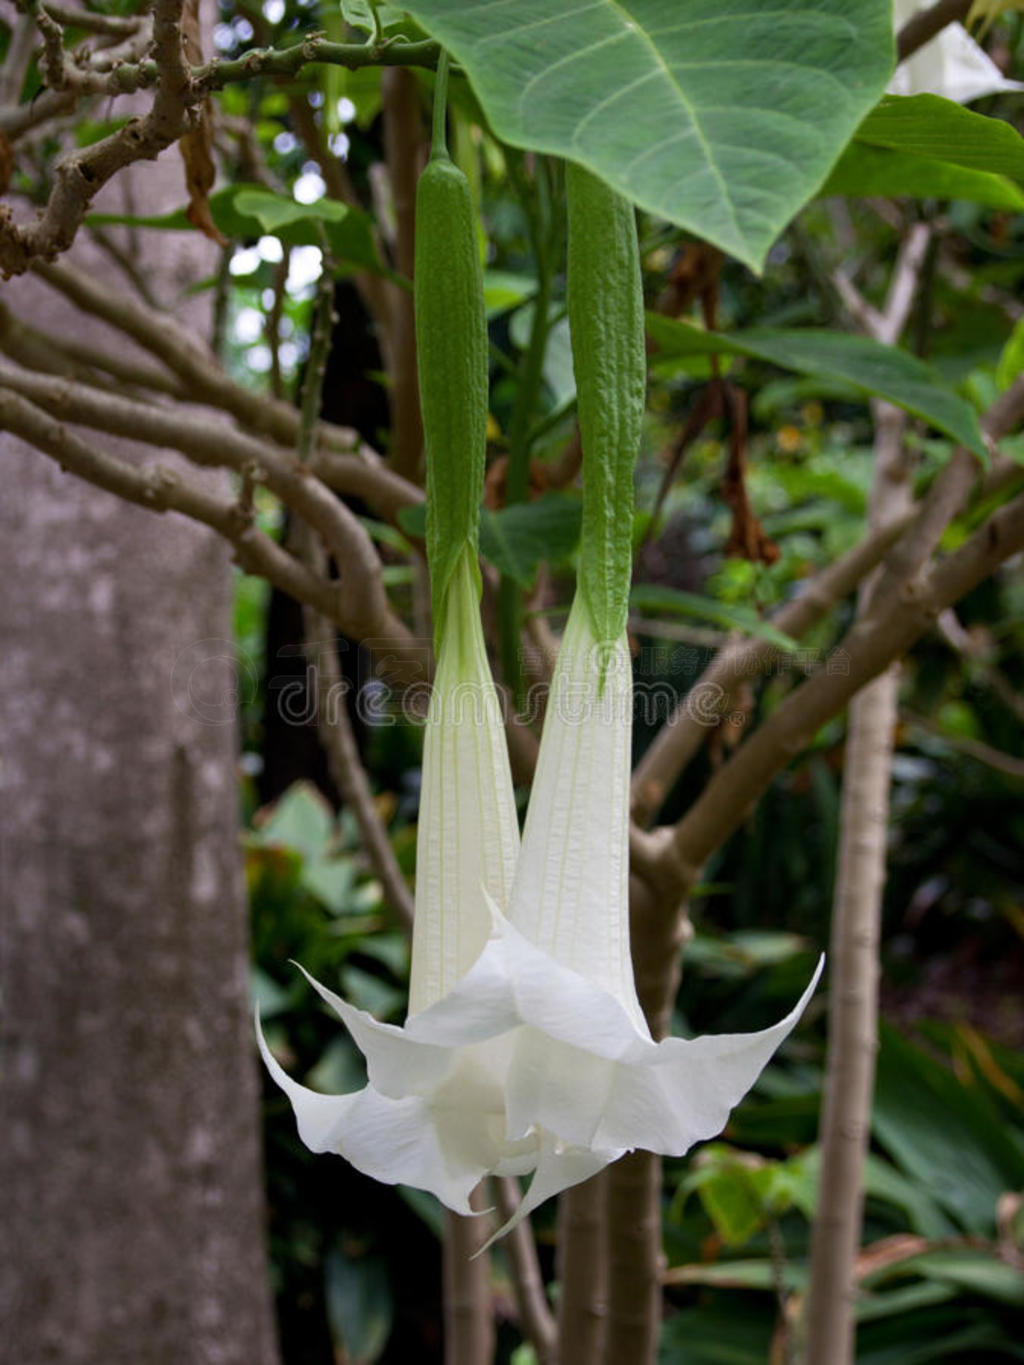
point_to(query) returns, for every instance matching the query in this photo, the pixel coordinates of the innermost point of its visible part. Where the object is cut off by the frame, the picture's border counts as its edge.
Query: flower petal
(558, 1168)
(662, 1098)
(398, 1065)
(395, 1141)
(685, 1095)
(468, 832)
(571, 894)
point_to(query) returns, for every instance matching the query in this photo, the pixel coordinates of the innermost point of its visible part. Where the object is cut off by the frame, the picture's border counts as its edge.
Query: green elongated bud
(451, 344)
(606, 323)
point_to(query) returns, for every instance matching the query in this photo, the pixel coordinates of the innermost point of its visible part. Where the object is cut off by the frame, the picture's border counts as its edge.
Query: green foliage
(926, 146)
(920, 1276)
(244, 212)
(518, 539)
(675, 602)
(759, 102)
(876, 370)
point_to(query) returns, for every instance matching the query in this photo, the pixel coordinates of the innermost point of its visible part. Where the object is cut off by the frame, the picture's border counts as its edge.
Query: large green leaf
(943, 1134)
(925, 146)
(928, 125)
(865, 171)
(720, 115)
(876, 370)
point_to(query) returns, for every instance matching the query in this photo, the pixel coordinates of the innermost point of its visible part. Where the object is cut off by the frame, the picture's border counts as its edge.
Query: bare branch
(914, 535)
(993, 758)
(535, 1316)
(112, 25)
(342, 458)
(368, 612)
(922, 27)
(163, 490)
(39, 350)
(347, 769)
(871, 645)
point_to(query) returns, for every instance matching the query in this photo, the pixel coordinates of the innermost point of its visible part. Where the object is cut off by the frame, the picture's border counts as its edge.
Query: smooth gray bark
(129, 1151)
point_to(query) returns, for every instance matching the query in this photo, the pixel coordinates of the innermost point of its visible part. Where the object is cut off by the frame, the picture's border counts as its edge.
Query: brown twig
(922, 27)
(367, 611)
(535, 1316)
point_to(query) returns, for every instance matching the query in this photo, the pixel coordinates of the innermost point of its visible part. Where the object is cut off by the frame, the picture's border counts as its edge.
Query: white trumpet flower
(952, 64)
(525, 1049)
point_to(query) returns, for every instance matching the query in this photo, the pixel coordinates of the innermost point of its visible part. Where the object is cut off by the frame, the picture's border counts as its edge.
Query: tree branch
(161, 489)
(202, 378)
(908, 541)
(178, 91)
(871, 645)
(535, 1317)
(347, 540)
(922, 27)
(857, 909)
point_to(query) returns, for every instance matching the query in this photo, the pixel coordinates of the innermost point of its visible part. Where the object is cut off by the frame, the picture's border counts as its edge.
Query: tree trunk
(129, 1155)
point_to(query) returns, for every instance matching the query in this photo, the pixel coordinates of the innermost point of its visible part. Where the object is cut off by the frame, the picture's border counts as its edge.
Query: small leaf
(359, 1304)
(1011, 361)
(244, 212)
(301, 820)
(519, 538)
(654, 597)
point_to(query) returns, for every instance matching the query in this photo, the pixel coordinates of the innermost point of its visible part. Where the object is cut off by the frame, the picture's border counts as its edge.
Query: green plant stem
(439, 124)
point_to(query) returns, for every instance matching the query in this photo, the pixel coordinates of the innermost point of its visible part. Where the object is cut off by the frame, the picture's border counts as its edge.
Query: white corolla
(525, 1049)
(952, 64)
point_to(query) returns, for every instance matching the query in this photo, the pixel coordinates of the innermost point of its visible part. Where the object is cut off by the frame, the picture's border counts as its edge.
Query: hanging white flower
(951, 64)
(526, 1048)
